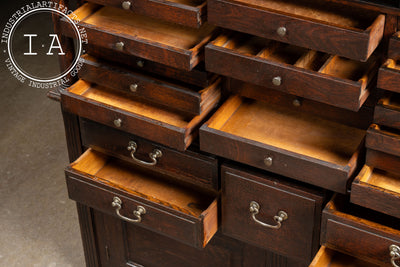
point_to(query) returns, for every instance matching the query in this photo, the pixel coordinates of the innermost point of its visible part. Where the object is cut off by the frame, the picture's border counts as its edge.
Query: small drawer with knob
(286, 141)
(306, 73)
(270, 212)
(134, 34)
(190, 13)
(319, 25)
(122, 111)
(360, 232)
(144, 198)
(189, 99)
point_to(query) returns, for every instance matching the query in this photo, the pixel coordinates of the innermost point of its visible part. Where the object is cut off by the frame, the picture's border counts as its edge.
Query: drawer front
(188, 166)
(317, 76)
(383, 161)
(389, 76)
(172, 45)
(378, 190)
(190, 13)
(244, 16)
(387, 112)
(99, 191)
(349, 233)
(394, 47)
(190, 100)
(383, 140)
(297, 236)
(118, 110)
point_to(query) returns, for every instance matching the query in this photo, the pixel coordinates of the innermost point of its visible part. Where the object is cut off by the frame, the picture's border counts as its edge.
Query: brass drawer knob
(394, 254)
(133, 87)
(132, 146)
(126, 5)
(118, 122)
(117, 204)
(255, 209)
(268, 161)
(140, 63)
(119, 46)
(277, 80)
(281, 31)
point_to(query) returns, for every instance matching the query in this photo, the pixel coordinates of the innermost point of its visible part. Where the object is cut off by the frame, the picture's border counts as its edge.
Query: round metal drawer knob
(277, 81)
(140, 63)
(119, 46)
(281, 31)
(133, 87)
(126, 5)
(118, 122)
(296, 102)
(268, 161)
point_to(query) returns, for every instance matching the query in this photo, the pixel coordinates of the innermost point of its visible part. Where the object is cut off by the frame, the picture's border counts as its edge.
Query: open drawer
(360, 232)
(120, 110)
(186, 98)
(378, 190)
(291, 69)
(330, 258)
(319, 25)
(383, 139)
(389, 76)
(190, 13)
(285, 141)
(387, 111)
(163, 42)
(394, 46)
(141, 197)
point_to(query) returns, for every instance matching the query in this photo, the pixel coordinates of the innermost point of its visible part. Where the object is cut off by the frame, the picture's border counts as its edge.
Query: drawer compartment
(188, 99)
(383, 161)
(298, 234)
(394, 46)
(189, 166)
(306, 73)
(190, 13)
(383, 139)
(378, 190)
(359, 232)
(387, 111)
(285, 141)
(167, 43)
(119, 110)
(322, 26)
(179, 212)
(330, 258)
(389, 76)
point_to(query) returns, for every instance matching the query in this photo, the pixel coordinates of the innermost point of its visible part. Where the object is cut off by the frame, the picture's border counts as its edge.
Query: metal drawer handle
(255, 209)
(395, 254)
(132, 146)
(117, 204)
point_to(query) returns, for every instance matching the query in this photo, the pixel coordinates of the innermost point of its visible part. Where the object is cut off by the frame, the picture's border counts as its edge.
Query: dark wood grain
(389, 78)
(301, 206)
(383, 140)
(387, 111)
(394, 46)
(383, 161)
(344, 41)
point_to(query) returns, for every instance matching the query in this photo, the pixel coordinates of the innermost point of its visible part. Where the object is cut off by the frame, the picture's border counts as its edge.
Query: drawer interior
(322, 11)
(288, 129)
(122, 22)
(391, 101)
(329, 258)
(124, 101)
(382, 179)
(295, 56)
(393, 64)
(141, 183)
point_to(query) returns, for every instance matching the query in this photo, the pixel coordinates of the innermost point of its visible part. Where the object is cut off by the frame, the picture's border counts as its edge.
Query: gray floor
(38, 223)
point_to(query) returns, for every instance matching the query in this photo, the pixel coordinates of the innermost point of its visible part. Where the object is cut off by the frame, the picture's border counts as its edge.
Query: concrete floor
(38, 223)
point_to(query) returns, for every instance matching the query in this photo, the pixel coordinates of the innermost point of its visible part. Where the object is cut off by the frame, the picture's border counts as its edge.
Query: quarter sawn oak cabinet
(235, 132)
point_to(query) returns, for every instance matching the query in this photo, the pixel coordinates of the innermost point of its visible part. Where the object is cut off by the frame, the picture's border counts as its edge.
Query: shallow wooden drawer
(387, 111)
(120, 30)
(389, 76)
(197, 76)
(179, 212)
(383, 139)
(382, 160)
(394, 46)
(378, 190)
(189, 99)
(285, 141)
(190, 13)
(330, 258)
(119, 110)
(322, 26)
(296, 237)
(299, 71)
(359, 232)
(189, 166)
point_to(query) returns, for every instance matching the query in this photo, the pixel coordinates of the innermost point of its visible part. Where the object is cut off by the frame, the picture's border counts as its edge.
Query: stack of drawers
(174, 165)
